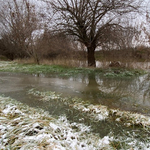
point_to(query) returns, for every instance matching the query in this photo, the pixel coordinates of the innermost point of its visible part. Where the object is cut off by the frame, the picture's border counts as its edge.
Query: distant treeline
(132, 54)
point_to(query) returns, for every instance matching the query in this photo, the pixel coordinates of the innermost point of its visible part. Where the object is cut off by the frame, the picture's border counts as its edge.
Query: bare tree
(119, 38)
(18, 19)
(87, 20)
(53, 45)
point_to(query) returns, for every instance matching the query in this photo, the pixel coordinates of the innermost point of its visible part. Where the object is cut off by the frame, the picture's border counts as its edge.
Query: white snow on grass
(97, 112)
(8, 66)
(4, 64)
(22, 127)
(11, 66)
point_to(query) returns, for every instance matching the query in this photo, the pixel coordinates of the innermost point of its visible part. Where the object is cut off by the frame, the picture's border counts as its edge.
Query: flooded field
(116, 110)
(131, 94)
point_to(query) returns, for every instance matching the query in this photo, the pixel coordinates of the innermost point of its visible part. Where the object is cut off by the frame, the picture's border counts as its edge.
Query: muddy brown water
(131, 94)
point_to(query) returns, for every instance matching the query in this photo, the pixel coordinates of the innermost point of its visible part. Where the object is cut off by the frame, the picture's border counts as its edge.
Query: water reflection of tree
(91, 90)
(97, 89)
(110, 91)
(118, 90)
(144, 86)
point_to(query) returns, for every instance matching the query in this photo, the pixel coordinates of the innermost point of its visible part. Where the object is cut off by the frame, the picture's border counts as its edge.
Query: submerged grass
(6, 66)
(99, 112)
(134, 139)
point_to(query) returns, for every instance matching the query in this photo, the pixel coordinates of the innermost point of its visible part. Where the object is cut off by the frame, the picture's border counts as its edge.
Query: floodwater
(132, 94)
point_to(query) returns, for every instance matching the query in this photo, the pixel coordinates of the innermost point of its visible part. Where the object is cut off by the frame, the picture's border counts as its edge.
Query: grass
(138, 125)
(67, 71)
(99, 112)
(23, 127)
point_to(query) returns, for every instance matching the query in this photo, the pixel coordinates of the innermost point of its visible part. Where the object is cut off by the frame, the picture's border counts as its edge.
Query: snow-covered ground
(22, 127)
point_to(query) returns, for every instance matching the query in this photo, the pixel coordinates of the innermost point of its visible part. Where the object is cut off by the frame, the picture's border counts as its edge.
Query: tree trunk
(36, 58)
(91, 56)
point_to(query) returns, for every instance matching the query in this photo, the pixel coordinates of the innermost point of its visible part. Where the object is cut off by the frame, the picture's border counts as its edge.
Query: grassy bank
(6, 66)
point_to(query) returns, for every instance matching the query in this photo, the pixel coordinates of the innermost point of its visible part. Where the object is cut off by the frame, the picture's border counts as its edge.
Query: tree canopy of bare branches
(88, 20)
(19, 21)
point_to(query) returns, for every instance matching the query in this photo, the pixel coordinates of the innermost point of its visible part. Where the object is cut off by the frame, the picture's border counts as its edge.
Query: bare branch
(86, 19)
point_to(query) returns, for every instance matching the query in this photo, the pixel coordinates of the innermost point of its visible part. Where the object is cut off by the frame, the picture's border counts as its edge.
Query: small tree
(18, 19)
(87, 20)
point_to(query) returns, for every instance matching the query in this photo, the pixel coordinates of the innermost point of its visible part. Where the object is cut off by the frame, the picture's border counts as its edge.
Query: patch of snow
(55, 127)
(36, 125)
